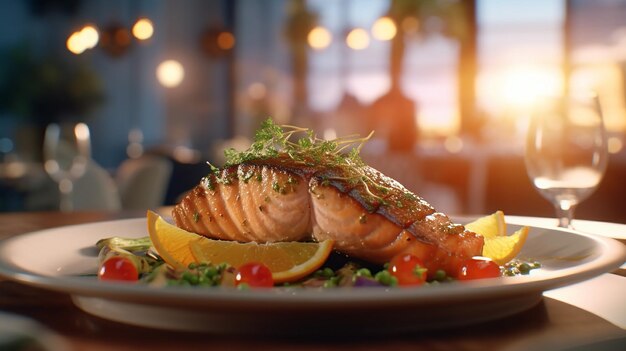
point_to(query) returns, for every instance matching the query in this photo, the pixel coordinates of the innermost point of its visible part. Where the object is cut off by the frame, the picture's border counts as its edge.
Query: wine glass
(66, 151)
(566, 151)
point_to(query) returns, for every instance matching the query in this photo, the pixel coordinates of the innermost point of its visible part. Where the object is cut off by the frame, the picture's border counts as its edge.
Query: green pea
(363, 272)
(385, 278)
(329, 284)
(440, 275)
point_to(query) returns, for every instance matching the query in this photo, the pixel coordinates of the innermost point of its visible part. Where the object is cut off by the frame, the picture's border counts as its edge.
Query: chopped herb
(196, 217)
(245, 175)
(208, 183)
(276, 186)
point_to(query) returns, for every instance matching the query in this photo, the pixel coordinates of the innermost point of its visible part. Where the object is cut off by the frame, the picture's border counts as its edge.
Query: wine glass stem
(565, 214)
(65, 190)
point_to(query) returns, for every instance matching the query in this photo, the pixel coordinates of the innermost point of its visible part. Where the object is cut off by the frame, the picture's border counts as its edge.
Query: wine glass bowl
(566, 151)
(66, 151)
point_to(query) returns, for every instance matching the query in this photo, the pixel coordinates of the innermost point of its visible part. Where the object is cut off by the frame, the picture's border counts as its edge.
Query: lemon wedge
(288, 261)
(489, 226)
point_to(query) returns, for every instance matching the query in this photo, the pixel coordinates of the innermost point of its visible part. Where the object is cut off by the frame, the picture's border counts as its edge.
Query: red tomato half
(408, 269)
(254, 275)
(118, 268)
(478, 269)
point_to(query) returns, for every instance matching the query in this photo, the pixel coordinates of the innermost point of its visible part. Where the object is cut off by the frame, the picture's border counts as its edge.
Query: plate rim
(614, 254)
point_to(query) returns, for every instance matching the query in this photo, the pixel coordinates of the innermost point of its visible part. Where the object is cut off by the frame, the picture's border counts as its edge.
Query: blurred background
(165, 85)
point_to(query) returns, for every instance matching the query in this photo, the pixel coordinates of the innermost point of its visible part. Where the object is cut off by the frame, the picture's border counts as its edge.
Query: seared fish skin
(370, 217)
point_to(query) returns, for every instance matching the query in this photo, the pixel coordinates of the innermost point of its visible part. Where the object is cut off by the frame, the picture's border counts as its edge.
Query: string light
(358, 39)
(86, 38)
(384, 29)
(89, 36)
(170, 73)
(143, 29)
(319, 38)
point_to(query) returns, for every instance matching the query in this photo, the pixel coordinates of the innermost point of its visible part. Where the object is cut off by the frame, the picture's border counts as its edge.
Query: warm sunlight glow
(143, 29)
(358, 39)
(515, 87)
(384, 29)
(521, 85)
(607, 80)
(170, 73)
(226, 40)
(319, 38)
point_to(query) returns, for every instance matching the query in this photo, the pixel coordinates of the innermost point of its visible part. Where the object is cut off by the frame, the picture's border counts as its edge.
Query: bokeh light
(384, 29)
(143, 29)
(410, 25)
(257, 91)
(358, 39)
(615, 145)
(170, 73)
(319, 38)
(74, 44)
(225, 40)
(89, 36)
(86, 38)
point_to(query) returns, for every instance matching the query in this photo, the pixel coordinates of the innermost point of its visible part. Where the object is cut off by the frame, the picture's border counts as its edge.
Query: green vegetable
(138, 244)
(130, 248)
(385, 278)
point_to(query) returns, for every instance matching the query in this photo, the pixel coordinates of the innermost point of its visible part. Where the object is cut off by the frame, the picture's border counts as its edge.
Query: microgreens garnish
(272, 139)
(303, 146)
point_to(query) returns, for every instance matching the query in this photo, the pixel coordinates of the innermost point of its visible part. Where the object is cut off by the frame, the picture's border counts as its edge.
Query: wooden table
(548, 326)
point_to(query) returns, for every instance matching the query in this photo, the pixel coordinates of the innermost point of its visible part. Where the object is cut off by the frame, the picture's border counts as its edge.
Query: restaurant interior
(156, 89)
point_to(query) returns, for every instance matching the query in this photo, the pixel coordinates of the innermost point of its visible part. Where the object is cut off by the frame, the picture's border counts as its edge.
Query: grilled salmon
(282, 198)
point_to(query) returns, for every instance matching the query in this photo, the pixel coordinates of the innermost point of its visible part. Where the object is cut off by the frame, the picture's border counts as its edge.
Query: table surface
(545, 326)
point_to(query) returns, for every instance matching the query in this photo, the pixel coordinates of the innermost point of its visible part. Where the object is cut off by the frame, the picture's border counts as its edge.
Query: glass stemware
(66, 151)
(566, 151)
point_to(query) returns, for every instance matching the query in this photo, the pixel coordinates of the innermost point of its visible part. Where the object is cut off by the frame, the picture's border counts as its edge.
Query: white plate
(52, 258)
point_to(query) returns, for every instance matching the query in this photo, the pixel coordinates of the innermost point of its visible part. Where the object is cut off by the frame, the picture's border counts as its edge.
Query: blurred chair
(143, 182)
(96, 190)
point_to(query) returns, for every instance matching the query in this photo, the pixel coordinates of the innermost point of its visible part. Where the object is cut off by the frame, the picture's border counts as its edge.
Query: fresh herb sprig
(302, 145)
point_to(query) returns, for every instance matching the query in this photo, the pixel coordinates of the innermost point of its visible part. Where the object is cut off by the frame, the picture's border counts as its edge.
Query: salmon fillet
(370, 217)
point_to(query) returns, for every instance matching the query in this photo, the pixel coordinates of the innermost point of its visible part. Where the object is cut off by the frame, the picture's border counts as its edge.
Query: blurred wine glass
(566, 151)
(66, 151)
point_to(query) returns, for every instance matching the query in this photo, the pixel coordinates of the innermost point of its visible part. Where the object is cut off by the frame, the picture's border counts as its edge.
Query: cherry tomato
(118, 268)
(476, 268)
(254, 275)
(408, 269)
